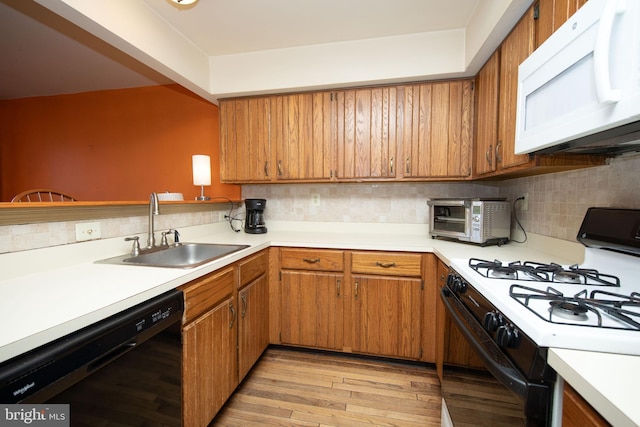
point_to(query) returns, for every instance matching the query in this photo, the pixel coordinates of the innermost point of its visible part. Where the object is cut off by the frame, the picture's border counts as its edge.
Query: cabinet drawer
(312, 259)
(252, 267)
(387, 263)
(203, 294)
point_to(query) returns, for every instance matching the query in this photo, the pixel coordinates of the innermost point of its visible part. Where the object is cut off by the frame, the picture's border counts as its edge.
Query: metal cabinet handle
(338, 286)
(391, 165)
(488, 156)
(385, 264)
(266, 168)
(233, 315)
(498, 156)
(407, 165)
(311, 260)
(243, 298)
(356, 292)
(280, 167)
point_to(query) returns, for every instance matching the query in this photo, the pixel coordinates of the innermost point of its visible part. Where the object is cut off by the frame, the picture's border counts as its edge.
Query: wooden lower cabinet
(577, 412)
(312, 309)
(209, 364)
(253, 324)
(368, 302)
(387, 316)
(209, 349)
(225, 330)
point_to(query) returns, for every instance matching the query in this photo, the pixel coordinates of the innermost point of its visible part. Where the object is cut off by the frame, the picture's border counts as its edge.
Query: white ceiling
(225, 27)
(43, 54)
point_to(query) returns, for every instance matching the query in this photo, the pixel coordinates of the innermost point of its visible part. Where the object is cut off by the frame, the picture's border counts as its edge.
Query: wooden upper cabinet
(244, 140)
(517, 47)
(438, 130)
(487, 115)
(551, 14)
(366, 139)
(303, 131)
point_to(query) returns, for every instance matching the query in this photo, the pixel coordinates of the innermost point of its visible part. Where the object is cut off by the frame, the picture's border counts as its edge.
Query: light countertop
(48, 293)
(607, 381)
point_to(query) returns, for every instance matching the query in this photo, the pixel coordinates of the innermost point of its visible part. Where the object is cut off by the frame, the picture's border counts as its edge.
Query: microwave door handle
(601, 54)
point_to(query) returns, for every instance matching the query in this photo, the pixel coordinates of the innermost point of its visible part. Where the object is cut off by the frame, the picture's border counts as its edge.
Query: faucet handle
(176, 238)
(135, 251)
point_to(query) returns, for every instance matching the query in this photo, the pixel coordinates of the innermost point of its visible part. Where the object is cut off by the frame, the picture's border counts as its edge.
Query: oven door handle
(494, 360)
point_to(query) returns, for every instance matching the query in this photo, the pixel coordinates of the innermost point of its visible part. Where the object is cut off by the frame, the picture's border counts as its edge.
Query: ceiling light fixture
(184, 2)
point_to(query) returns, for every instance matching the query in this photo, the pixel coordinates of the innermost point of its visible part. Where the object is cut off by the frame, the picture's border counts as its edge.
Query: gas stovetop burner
(503, 273)
(569, 310)
(539, 272)
(597, 309)
(567, 277)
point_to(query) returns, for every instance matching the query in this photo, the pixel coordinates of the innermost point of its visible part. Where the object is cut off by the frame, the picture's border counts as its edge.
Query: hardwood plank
(290, 387)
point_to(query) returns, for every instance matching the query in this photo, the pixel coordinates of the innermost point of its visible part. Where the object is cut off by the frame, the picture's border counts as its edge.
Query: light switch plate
(88, 231)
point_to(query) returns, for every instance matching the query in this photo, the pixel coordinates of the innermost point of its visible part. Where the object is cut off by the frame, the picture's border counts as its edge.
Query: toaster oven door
(450, 220)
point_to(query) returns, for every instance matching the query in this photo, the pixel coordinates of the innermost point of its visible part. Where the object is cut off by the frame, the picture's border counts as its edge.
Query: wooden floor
(300, 388)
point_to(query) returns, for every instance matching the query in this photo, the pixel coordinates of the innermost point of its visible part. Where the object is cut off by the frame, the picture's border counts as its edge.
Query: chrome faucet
(154, 209)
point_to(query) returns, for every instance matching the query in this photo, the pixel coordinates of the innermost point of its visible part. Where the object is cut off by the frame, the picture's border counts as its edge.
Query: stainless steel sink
(187, 255)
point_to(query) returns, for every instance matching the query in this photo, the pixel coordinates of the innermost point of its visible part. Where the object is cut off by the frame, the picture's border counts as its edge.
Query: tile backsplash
(32, 236)
(404, 203)
(557, 203)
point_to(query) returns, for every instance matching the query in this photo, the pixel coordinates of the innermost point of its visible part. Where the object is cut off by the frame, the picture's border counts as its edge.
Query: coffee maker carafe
(254, 222)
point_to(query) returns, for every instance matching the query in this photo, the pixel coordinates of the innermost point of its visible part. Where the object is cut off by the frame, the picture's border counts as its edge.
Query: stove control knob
(492, 321)
(456, 284)
(508, 336)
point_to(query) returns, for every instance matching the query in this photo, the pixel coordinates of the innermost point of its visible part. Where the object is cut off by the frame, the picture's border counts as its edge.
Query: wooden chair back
(43, 195)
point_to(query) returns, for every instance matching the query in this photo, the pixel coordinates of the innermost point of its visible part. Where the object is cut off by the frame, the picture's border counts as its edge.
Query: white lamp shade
(201, 169)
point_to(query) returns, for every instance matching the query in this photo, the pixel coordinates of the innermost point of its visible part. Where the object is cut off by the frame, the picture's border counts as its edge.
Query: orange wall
(110, 145)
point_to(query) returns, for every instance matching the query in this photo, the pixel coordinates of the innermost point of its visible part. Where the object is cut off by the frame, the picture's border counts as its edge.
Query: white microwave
(580, 90)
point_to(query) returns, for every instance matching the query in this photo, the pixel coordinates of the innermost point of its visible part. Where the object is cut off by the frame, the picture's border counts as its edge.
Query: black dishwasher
(124, 370)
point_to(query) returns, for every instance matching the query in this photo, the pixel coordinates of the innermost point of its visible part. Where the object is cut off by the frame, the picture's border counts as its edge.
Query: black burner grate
(574, 310)
(539, 272)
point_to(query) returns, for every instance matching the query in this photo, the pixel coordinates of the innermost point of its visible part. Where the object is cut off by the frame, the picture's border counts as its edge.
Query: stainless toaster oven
(481, 221)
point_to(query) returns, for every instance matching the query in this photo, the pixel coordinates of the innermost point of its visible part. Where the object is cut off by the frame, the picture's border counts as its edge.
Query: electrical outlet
(524, 204)
(88, 231)
(315, 199)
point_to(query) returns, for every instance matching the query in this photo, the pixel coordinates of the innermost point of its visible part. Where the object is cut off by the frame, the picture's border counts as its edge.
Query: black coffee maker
(254, 222)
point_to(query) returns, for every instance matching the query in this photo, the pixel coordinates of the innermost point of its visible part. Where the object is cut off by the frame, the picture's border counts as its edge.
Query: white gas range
(594, 306)
(512, 311)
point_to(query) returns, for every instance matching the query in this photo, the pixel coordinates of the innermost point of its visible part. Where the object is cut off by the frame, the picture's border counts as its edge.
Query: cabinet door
(551, 14)
(253, 333)
(366, 140)
(387, 316)
(439, 145)
(303, 128)
(486, 122)
(209, 364)
(312, 309)
(244, 140)
(518, 45)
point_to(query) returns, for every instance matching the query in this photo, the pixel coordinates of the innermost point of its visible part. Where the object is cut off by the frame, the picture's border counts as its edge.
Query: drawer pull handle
(356, 293)
(385, 264)
(243, 298)
(338, 287)
(311, 260)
